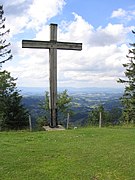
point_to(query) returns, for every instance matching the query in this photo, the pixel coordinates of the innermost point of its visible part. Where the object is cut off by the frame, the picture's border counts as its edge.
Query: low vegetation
(87, 153)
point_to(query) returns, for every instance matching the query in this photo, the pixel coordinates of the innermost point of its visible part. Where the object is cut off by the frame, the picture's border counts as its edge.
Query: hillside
(87, 153)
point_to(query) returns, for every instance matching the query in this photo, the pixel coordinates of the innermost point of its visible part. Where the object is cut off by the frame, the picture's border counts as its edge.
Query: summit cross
(52, 45)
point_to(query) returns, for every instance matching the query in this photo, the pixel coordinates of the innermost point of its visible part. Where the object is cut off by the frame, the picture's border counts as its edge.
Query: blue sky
(96, 12)
(104, 27)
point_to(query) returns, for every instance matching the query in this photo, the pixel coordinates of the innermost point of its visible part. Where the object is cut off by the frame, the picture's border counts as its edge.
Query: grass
(80, 154)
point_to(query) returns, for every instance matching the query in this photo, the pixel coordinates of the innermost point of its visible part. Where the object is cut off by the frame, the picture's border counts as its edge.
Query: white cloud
(111, 34)
(76, 29)
(123, 15)
(40, 11)
(81, 31)
(119, 13)
(32, 14)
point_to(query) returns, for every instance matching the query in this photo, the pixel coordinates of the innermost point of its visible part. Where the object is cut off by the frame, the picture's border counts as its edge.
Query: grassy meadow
(80, 154)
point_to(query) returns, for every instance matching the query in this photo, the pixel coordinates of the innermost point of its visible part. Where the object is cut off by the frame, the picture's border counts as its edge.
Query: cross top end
(53, 32)
(53, 24)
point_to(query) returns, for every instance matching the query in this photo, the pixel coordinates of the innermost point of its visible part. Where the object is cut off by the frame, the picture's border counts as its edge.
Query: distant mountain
(27, 91)
(93, 90)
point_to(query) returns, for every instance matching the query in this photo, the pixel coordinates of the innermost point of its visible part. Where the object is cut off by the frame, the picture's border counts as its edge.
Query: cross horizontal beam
(51, 45)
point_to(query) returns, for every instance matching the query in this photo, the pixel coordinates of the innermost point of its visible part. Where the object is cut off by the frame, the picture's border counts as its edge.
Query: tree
(128, 98)
(94, 115)
(63, 106)
(12, 113)
(98, 113)
(5, 52)
(114, 116)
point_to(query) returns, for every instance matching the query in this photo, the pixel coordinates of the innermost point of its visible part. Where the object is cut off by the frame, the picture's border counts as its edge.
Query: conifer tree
(128, 98)
(5, 52)
(12, 113)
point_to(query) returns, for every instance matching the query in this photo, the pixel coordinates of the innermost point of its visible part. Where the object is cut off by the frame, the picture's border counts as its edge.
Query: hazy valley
(83, 101)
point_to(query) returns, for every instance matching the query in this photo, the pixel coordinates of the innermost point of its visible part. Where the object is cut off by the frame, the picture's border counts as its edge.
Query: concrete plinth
(58, 128)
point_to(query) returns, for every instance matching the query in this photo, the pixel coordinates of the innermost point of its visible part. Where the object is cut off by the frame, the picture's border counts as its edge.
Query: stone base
(58, 128)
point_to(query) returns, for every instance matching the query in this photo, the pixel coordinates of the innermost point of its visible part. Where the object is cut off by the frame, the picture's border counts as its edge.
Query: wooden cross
(52, 45)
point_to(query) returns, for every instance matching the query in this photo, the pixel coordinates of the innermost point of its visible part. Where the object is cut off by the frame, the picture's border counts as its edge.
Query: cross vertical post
(53, 76)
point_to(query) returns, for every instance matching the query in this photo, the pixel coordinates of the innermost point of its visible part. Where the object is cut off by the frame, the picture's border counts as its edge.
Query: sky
(103, 27)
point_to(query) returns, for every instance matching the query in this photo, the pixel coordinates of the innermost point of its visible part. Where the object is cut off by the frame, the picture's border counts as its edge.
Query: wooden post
(100, 119)
(53, 75)
(30, 124)
(67, 120)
